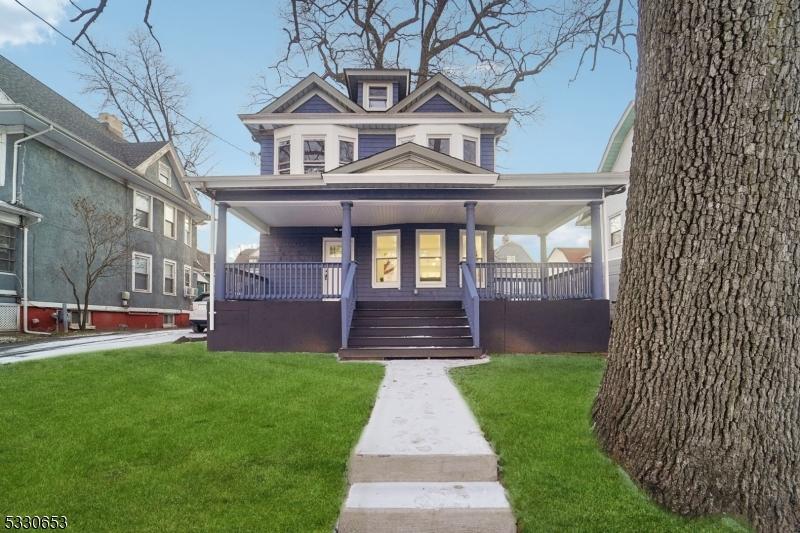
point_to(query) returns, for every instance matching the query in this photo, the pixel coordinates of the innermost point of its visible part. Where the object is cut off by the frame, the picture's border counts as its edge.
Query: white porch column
(542, 247)
(347, 232)
(598, 264)
(221, 251)
(471, 255)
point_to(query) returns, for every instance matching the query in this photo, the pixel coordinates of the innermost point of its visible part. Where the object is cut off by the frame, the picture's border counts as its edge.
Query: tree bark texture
(700, 402)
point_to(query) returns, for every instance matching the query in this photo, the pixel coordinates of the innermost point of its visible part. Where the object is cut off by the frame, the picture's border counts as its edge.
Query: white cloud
(18, 26)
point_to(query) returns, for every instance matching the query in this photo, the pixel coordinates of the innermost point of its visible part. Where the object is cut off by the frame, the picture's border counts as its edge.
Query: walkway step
(469, 507)
(408, 352)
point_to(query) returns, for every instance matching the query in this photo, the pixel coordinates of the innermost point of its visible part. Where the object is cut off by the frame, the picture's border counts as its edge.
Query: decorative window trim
(161, 166)
(278, 143)
(150, 214)
(431, 284)
(174, 279)
(174, 235)
(386, 284)
(389, 95)
(149, 272)
(621, 231)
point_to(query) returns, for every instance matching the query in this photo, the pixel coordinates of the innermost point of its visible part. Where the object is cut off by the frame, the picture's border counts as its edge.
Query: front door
(332, 277)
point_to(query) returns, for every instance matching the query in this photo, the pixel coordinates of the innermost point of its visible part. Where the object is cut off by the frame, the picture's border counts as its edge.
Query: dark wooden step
(377, 353)
(437, 342)
(400, 331)
(410, 304)
(409, 312)
(391, 321)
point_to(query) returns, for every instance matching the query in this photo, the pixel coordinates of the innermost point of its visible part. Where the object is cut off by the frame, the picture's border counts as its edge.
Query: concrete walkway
(70, 346)
(422, 463)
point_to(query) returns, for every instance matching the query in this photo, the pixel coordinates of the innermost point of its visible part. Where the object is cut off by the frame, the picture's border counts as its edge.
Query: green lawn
(535, 412)
(172, 438)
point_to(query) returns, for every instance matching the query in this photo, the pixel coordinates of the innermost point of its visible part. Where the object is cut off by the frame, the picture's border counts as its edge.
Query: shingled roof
(24, 89)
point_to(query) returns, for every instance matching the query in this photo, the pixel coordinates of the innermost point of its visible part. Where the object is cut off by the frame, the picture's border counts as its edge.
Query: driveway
(58, 347)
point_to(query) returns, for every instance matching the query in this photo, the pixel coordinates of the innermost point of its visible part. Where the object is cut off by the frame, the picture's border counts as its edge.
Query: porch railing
(471, 303)
(534, 281)
(349, 297)
(283, 281)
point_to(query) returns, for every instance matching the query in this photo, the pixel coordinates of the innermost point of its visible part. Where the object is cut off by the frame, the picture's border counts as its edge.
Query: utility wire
(99, 59)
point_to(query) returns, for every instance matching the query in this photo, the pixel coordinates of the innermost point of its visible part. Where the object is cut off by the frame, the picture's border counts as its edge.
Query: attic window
(164, 173)
(378, 96)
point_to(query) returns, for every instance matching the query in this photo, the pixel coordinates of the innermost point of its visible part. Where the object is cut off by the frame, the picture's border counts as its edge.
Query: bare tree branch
(488, 47)
(91, 14)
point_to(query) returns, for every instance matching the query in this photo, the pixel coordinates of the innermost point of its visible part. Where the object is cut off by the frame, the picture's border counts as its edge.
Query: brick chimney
(112, 123)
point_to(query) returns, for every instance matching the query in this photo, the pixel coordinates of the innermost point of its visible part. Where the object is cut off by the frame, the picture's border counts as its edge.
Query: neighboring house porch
(375, 266)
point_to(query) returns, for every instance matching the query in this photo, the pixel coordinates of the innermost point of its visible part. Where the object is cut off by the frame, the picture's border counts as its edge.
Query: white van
(198, 317)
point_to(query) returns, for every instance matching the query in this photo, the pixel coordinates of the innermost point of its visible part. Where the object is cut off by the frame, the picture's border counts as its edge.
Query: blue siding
(316, 104)
(305, 244)
(267, 143)
(370, 144)
(487, 151)
(437, 104)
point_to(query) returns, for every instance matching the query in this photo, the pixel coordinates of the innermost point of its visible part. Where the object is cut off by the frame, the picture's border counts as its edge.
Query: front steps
(410, 329)
(422, 463)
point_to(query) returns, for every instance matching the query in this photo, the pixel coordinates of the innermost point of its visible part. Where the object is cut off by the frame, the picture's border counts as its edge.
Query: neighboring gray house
(52, 153)
(247, 255)
(511, 252)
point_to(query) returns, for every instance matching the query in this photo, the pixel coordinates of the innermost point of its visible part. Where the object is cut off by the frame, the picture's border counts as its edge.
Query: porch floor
(410, 329)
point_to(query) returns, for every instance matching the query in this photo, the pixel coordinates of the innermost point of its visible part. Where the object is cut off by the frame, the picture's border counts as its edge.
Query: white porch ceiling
(518, 217)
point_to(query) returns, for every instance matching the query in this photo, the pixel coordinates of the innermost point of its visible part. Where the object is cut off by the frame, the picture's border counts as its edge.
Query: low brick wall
(545, 327)
(276, 326)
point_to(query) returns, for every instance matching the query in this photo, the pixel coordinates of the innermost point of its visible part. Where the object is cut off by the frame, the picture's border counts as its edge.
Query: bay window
(313, 156)
(439, 144)
(284, 156)
(346, 151)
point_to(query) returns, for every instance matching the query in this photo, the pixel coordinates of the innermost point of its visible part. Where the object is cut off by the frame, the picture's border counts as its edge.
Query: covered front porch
(345, 254)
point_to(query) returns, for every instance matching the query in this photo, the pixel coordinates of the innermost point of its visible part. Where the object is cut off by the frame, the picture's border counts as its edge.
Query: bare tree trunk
(700, 402)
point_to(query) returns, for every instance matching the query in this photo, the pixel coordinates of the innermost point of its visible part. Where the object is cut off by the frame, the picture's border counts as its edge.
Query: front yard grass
(172, 438)
(535, 410)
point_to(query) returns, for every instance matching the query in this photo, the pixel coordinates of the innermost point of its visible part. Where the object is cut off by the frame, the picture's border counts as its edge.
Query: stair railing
(471, 303)
(348, 301)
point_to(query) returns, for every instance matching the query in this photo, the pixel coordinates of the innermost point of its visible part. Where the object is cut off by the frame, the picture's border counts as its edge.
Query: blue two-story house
(377, 211)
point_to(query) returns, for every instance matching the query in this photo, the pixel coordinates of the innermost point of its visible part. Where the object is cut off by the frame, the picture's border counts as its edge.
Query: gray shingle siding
(315, 104)
(487, 151)
(267, 143)
(305, 245)
(437, 104)
(370, 144)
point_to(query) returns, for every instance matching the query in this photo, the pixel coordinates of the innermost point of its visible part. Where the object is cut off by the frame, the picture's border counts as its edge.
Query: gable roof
(572, 254)
(23, 89)
(617, 138)
(307, 85)
(401, 155)
(440, 81)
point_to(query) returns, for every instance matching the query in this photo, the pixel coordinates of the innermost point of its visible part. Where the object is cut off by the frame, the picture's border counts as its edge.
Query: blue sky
(219, 52)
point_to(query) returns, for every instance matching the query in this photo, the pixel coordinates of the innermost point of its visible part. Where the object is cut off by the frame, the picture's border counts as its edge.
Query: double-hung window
(187, 280)
(142, 211)
(164, 173)
(8, 246)
(439, 144)
(313, 156)
(187, 229)
(347, 150)
(431, 258)
(170, 214)
(386, 259)
(378, 97)
(471, 151)
(142, 272)
(170, 273)
(615, 229)
(284, 156)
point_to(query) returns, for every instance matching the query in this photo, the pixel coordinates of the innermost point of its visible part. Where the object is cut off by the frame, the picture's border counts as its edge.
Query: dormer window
(439, 144)
(313, 156)
(378, 96)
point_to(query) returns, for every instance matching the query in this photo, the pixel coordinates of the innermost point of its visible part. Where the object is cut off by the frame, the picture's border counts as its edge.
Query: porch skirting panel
(276, 326)
(544, 326)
